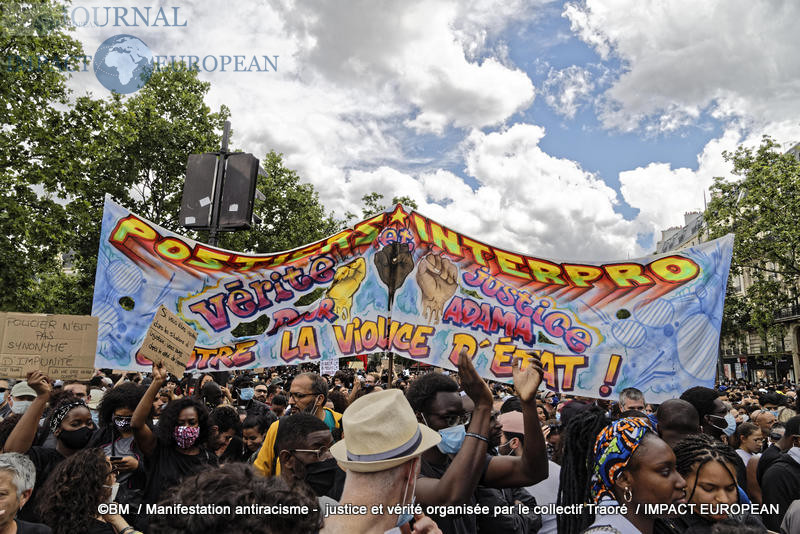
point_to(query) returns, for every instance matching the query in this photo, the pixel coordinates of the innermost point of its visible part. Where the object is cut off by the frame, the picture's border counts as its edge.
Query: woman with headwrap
(624, 463)
(70, 423)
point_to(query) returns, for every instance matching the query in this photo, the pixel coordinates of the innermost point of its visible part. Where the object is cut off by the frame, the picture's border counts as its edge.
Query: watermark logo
(123, 64)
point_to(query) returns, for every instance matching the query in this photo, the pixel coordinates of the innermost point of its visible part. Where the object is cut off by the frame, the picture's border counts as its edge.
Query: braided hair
(697, 451)
(576, 467)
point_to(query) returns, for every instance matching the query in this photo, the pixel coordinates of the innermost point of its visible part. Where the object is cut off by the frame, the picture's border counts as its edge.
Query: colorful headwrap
(614, 446)
(62, 412)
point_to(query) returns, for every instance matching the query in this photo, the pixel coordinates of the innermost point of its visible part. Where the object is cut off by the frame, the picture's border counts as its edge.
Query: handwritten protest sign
(169, 341)
(401, 282)
(328, 367)
(61, 346)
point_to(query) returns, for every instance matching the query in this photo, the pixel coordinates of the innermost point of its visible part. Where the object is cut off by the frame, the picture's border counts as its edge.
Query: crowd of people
(289, 451)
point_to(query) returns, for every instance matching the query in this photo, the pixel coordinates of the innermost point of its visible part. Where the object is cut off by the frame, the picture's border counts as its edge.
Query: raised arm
(144, 437)
(461, 478)
(531, 467)
(21, 438)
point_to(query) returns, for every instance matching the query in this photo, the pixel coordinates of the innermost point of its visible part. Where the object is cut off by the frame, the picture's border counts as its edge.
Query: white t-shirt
(546, 492)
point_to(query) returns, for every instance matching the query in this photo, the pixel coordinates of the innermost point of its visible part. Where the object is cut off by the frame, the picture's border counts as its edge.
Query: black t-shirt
(166, 467)
(772, 453)
(99, 527)
(453, 524)
(23, 527)
(45, 460)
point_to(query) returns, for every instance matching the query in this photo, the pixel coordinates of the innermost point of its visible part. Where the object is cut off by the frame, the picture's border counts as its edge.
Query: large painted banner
(401, 282)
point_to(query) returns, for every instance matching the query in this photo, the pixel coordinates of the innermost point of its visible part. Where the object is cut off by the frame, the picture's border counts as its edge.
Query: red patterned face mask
(185, 436)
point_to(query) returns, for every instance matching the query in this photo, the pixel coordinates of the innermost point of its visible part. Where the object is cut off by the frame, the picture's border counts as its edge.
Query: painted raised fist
(346, 282)
(437, 278)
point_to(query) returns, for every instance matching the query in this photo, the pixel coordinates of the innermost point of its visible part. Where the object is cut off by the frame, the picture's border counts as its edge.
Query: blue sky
(570, 130)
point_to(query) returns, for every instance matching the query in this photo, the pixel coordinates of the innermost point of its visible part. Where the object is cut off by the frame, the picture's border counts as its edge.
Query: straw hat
(381, 432)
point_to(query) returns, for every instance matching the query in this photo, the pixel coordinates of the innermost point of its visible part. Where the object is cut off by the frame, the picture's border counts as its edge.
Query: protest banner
(404, 283)
(61, 346)
(169, 341)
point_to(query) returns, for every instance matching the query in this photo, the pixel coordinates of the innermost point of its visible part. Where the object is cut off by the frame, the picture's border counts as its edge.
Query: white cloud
(414, 50)
(565, 89)
(664, 194)
(734, 58)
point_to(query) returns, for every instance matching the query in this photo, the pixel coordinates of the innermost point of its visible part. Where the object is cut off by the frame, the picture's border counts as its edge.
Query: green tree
(373, 203)
(32, 46)
(761, 207)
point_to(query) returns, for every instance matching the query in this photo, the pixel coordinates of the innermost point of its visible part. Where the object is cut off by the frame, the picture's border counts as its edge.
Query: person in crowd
(17, 475)
(381, 453)
(629, 465)
(72, 494)
(199, 382)
(5, 395)
(162, 399)
(6, 426)
(780, 442)
(273, 390)
(542, 412)
(709, 468)
(714, 417)
(452, 470)
(254, 430)
(260, 392)
(245, 392)
(177, 446)
(238, 485)
(224, 439)
(22, 396)
(115, 437)
(513, 521)
(71, 424)
(544, 493)
(337, 401)
(279, 404)
(308, 394)
(79, 389)
(780, 483)
(765, 419)
(771, 402)
(749, 439)
(212, 395)
(631, 399)
(677, 420)
(303, 445)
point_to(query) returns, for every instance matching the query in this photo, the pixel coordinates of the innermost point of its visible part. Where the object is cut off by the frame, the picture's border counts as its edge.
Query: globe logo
(123, 63)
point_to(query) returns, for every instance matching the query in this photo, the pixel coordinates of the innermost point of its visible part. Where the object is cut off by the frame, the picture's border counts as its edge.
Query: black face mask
(76, 439)
(325, 478)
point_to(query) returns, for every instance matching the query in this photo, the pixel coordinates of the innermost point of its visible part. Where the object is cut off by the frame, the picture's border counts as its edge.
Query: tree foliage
(72, 151)
(761, 206)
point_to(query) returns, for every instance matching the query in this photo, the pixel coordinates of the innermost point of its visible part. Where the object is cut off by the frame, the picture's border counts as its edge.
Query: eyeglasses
(322, 451)
(299, 396)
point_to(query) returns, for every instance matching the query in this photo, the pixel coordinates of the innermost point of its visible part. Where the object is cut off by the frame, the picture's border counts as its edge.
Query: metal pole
(219, 181)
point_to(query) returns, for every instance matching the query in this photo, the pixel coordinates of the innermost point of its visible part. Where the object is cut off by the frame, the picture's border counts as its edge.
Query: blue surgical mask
(2, 397)
(730, 424)
(95, 417)
(246, 393)
(452, 439)
(774, 412)
(402, 519)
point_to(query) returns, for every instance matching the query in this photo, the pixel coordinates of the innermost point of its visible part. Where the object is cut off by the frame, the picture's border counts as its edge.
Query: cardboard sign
(356, 365)
(328, 367)
(170, 341)
(61, 346)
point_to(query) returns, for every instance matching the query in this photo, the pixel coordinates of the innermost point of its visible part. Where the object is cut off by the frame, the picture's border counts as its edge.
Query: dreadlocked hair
(576, 467)
(697, 451)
